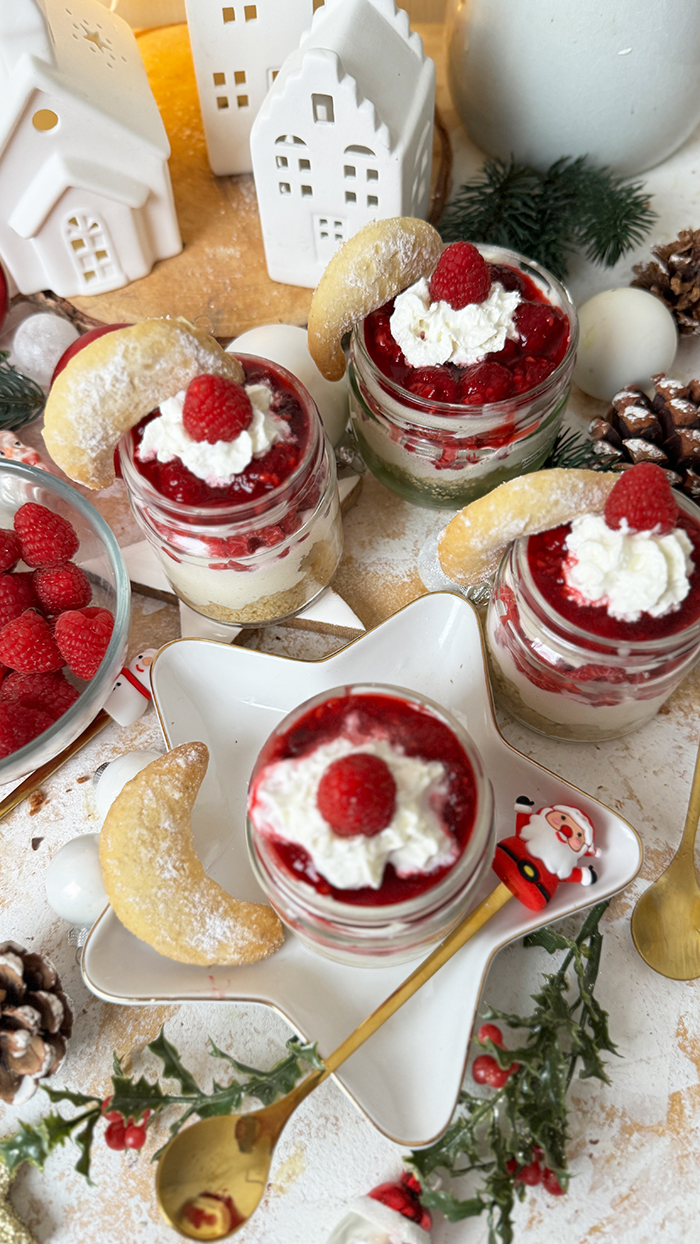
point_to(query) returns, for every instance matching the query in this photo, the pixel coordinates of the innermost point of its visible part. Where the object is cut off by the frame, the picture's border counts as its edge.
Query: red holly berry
(216, 409)
(530, 1174)
(82, 636)
(46, 539)
(485, 1070)
(134, 1136)
(490, 1032)
(461, 276)
(485, 382)
(27, 645)
(16, 594)
(357, 795)
(115, 1134)
(550, 1183)
(62, 587)
(642, 499)
(50, 692)
(10, 551)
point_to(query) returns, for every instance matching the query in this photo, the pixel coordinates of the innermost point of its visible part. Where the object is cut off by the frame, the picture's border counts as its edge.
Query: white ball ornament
(39, 343)
(109, 779)
(626, 336)
(74, 887)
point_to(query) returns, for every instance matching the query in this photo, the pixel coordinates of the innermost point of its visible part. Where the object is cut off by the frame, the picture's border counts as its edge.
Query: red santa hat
(577, 815)
(396, 1209)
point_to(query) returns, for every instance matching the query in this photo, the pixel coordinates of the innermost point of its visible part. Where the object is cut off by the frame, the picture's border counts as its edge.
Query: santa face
(567, 830)
(549, 839)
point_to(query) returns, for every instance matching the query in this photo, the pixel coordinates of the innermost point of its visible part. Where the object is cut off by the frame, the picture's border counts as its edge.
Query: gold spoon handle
(686, 847)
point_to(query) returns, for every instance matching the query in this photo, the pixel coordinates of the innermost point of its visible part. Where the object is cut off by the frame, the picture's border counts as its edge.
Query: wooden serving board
(219, 281)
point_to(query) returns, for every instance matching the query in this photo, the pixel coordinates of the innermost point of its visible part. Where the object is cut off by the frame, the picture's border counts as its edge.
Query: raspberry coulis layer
(546, 555)
(262, 475)
(417, 733)
(516, 369)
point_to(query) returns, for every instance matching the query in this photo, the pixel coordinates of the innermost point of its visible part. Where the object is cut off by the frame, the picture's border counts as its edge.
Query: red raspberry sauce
(261, 476)
(525, 363)
(417, 733)
(546, 554)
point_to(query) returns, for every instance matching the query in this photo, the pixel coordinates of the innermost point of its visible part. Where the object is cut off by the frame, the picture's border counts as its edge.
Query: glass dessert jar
(261, 549)
(436, 449)
(572, 671)
(383, 893)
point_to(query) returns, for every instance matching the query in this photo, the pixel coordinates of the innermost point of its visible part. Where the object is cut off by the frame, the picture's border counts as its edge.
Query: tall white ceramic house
(238, 49)
(86, 203)
(344, 136)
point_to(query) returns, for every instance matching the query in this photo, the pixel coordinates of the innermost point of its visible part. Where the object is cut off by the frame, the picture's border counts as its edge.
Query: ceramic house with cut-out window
(238, 49)
(345, 136)
(86, 203)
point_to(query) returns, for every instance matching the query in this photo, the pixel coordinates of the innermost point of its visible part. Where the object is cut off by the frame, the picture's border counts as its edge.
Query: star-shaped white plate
(407, 1077)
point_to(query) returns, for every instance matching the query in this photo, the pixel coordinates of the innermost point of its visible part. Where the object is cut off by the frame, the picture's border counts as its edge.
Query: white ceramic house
(86, 203)
(344, 136)
(238, 49)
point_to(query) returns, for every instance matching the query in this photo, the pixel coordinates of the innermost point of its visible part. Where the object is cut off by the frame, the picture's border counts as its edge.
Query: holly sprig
(525, 1121)
(134, 1099)
(21, 399)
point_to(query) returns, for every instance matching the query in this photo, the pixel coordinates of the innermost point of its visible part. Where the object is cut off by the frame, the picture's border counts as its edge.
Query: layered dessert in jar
(593, 622)
(225, 462)
(459, 378)
(235, 488)
(370, 822)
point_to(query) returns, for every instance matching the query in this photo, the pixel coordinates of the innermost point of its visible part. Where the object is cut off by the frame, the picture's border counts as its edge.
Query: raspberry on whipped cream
(430, 333)
(166, 438)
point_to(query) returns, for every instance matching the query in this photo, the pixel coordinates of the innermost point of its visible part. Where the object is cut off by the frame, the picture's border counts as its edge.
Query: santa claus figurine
(546, 849)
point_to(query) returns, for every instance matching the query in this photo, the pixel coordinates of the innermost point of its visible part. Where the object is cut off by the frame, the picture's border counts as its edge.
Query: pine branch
(21, 400)
(545, 216)
(572, 449)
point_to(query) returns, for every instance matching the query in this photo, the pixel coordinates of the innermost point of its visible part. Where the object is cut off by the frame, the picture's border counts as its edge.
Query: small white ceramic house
(86, 203)
(344, 136)
(238, 49)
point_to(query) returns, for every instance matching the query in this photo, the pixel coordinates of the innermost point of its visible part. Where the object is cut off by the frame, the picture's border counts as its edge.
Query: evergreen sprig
(132, 1098)
(574, 450)
(547, 215)
(21, 400)
(495, 1137)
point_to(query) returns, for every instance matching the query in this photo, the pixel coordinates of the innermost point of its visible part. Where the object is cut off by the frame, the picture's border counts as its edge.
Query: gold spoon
(666, 919)
(218, 1168)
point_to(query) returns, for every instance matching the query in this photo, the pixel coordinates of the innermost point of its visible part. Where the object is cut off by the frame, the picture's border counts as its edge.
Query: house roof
(84, 53)
(58, 174)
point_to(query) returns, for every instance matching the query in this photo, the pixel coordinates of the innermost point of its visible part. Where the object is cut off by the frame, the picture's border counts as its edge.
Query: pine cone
(675, 278)
(664, 429)
(36, 1021)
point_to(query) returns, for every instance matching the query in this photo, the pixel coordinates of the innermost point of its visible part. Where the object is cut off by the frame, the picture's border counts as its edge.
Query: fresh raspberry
(484, 382)
(509, 278)
(540, 326)
(10, 551)
(643, 498)
(82, 636)
(436, 384)
(462, 276)
(50, 692)
(62, 587)
(530, 371)
(45, 538)
(216, 409)
(179, 484)
(27, 645)
(19, 725)
(16, 594)
(357, 795)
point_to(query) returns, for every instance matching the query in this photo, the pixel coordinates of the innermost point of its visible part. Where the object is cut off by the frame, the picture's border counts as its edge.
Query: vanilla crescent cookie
(473, 542)
(155, 880)
(370, 268)
(114, 381)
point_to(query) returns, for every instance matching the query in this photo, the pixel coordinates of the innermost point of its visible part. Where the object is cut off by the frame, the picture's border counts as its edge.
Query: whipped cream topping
(430, 333)
(629, 573)
(283, 806)
(217, 464)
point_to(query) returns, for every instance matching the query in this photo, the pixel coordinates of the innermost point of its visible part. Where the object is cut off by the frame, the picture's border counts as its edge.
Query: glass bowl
(100, 558)
(366, 932)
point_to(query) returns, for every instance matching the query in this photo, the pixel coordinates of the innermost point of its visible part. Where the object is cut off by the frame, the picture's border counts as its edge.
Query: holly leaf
(173, 1068)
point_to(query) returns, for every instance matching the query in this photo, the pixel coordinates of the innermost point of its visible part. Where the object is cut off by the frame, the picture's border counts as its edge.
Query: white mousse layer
(284, 807)
(430, 333)
(628, 573)
(217, 464)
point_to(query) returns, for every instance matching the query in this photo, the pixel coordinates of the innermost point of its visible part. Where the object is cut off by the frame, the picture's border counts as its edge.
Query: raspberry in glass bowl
(592, 625)
(370, 823)
(235, 489)
(447, 402)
